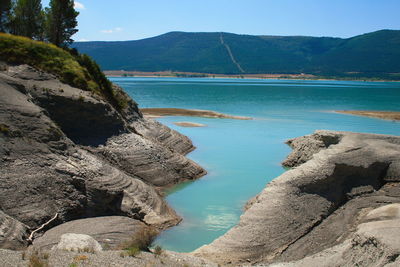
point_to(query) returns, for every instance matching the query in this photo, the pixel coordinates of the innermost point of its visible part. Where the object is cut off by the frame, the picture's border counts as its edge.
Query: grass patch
(37, 259)
(81, 258)
(132, 251)
(140, 241)
(77, 70)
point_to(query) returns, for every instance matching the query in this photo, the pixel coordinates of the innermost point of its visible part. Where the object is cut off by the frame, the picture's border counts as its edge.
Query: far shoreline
(265, 76)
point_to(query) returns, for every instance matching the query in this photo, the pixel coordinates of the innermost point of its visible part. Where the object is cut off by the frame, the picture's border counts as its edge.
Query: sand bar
(189, 124)
(387, 115)
(189, 112)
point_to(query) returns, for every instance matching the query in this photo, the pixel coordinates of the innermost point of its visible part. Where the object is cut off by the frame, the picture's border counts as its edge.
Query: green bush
(158, 250)
(132, 252)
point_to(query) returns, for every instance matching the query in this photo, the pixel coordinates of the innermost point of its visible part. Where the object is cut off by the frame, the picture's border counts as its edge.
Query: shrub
(38, 260)
(141, 240)
(132, 252)
(158, 250)
(120, 98)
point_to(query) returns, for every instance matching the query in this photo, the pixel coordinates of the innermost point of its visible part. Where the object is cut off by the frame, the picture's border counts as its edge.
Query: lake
(242, 156)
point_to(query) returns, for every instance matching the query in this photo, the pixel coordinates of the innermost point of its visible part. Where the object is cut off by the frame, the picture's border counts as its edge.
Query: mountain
(375, 54)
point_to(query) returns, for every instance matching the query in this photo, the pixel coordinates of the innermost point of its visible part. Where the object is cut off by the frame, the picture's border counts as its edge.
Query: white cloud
(117, 29)
(78, 5)
(83, 40)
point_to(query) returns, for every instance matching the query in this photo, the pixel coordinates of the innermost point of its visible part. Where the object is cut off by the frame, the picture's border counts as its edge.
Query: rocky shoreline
(320, 212)
(71, 163)
(69, 154)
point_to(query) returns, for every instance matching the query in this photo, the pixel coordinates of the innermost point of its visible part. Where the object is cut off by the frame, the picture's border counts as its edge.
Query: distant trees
(56, 24)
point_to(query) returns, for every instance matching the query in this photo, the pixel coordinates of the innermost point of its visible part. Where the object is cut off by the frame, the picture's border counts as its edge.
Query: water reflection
(220, 218)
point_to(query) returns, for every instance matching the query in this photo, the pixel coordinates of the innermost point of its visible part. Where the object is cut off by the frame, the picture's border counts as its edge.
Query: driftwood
(30, 238)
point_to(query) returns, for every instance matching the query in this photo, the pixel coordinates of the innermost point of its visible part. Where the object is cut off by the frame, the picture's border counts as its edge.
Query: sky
(118, 20)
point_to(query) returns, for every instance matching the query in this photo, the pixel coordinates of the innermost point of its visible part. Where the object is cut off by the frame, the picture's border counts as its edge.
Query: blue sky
(137, 19)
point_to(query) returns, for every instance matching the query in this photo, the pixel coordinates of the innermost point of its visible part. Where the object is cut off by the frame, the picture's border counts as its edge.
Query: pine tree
(5, 11)
(27, 19)
(61, 22)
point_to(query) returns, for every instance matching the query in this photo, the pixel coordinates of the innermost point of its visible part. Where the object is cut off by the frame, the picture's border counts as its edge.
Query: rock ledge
(319, 204)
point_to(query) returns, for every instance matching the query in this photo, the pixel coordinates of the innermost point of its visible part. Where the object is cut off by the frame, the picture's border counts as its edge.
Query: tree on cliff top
(27, 19)
(5, 11)
(61, 22)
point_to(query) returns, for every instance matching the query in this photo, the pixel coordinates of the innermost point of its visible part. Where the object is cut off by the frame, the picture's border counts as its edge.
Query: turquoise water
(241, 157)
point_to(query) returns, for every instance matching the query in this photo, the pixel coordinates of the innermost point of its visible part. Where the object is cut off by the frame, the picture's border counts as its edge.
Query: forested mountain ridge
(375, 54)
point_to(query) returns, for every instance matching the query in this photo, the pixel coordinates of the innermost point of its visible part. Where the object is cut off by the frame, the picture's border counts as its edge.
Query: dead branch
(30, 238)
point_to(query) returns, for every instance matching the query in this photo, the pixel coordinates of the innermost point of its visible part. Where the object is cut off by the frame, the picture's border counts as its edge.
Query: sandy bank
(387, 115)
(189, 124)
(189, 112)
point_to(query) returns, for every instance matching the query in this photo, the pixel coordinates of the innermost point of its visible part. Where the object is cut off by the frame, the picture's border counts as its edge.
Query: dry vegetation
(140, 241)
(37, 259)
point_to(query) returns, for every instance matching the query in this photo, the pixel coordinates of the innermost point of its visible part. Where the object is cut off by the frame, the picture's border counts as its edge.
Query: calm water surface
(241, 157)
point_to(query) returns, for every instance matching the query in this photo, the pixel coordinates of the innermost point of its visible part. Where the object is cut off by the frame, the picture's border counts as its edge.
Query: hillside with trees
(371, 55)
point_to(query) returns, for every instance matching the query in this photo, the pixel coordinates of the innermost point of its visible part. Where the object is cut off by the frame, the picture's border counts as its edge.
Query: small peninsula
(386, 115)
(189, 124)
(157, 112)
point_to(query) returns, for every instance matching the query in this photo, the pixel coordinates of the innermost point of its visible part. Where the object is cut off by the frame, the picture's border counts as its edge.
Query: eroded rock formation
(319, 204)
(67, 151)
(375, 242)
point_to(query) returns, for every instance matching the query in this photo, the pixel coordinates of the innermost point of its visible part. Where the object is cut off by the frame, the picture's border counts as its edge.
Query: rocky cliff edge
(66, 153)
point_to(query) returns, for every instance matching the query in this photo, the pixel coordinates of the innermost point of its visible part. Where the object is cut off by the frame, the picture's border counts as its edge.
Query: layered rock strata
(376, 242)
(68, 152)
(340, 177)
